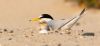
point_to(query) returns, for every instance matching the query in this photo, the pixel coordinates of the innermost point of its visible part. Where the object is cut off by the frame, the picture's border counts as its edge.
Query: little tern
(47, 22)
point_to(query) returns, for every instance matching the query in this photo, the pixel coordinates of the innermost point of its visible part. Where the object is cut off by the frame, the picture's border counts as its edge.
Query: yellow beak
(35, 19)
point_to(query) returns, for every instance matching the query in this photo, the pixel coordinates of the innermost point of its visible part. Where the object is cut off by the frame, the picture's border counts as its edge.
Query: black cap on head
(46, 16)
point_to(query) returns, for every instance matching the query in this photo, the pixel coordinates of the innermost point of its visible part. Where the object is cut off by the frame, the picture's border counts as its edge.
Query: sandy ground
(17, 30)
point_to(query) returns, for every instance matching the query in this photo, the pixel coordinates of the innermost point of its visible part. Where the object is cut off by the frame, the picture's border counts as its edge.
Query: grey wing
(56, 24)
(71, 22)
(64, 24)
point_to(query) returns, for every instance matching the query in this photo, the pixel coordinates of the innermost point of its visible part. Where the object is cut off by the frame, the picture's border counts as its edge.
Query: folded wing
(64, 24)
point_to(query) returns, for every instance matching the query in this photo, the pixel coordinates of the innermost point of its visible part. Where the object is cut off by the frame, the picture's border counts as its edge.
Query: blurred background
(87, 3)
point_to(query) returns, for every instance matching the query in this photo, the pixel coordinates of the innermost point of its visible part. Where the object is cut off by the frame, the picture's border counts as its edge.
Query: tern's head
(43, 17)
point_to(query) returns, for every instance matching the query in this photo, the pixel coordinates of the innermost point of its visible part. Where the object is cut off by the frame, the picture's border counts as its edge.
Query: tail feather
(82, 11)
(71, 22)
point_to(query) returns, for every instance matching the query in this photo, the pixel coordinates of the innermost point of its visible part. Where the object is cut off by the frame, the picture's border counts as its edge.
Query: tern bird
(48, 23)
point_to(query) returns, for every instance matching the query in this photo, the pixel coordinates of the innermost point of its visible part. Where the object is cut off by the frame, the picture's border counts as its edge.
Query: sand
(17, 30)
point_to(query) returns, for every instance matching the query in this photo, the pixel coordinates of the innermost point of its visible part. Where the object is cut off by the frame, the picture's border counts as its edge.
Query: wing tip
(83, 11)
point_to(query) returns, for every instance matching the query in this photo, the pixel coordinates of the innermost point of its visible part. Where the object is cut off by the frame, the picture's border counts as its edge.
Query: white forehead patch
(40, 16)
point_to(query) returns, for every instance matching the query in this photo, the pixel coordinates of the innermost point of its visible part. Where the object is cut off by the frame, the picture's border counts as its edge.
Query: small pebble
(32, 32)
(56, 31)
(26, 36)
(51, 32)
(30, 20)
(77, 24)
(45, 45)
(68, 32)
(77, 45)
(10, 39)
(82, 30)
(59, 45)
(0, 32)
(32, 35)
(61, 33)
(11, 31)
(5, 30)
(12, 35)
(88, 34)
(62, 19)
